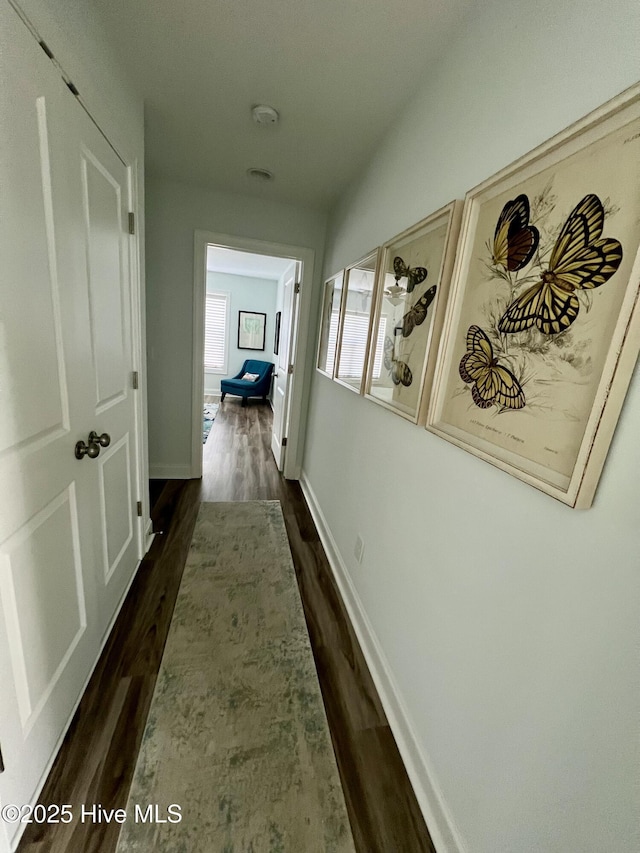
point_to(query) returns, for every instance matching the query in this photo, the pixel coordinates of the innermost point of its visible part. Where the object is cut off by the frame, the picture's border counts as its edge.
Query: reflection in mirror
(411, 281)
(329, 325)
(393, 374)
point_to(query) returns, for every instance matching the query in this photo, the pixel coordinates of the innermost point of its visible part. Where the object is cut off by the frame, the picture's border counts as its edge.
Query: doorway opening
(251, 314)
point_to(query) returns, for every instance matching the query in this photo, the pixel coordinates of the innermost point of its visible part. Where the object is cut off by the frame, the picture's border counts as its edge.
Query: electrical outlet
(358, 549)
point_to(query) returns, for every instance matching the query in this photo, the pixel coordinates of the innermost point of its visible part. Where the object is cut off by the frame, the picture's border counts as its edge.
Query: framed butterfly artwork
(543, 327)
(329, 324)
(410, 299)
(355, 321)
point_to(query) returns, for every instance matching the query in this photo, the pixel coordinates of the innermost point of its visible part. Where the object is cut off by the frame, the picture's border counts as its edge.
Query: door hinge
(297, 287)
(290, 370)
(72, 88)
(139, 508)
(284, 442)
(134, 380)
(132, 222)
(46, 48)
(1, 761)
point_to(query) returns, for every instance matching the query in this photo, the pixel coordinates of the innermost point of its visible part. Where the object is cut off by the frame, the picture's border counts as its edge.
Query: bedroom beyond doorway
(250, 316)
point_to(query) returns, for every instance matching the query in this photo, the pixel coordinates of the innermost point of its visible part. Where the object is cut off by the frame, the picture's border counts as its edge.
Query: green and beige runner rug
(236, 755)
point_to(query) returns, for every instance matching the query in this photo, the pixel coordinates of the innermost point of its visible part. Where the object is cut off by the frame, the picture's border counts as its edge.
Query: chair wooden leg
(244, 402)
(222, 396)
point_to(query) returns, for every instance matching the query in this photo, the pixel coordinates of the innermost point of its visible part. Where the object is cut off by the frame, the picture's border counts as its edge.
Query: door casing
(306, 257)
(282, 380)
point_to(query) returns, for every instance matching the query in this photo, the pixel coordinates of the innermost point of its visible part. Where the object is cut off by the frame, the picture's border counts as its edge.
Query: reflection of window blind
(377, 359)
(354, 342)
(331, 345)
(215, 331)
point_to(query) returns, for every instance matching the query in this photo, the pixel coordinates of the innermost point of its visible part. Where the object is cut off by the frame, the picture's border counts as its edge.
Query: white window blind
(354, 342)
(215, 332)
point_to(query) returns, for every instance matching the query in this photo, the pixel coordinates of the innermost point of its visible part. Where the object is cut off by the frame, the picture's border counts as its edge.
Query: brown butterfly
(514, 240)
(580, 260)
(418, 312)
(414, 275)
(491, 382)
(400, 372)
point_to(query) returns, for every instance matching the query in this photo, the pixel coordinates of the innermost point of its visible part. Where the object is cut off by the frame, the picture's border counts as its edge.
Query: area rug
(237, 735)
(210, 412)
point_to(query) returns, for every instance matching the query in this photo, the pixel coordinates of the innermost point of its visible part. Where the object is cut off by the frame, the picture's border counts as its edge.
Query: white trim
(171, 472)
(306, 257)
(139, 364)
(149, 535)
(444, 833)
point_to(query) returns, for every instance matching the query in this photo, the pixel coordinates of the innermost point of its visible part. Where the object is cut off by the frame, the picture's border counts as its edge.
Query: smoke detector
(260, 174)
(264, 115)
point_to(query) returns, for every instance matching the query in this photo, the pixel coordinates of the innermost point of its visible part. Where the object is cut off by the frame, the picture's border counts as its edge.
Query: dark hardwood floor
(97, 759)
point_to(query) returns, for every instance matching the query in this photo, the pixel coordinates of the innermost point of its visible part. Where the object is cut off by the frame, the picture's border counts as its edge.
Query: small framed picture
(251, 329)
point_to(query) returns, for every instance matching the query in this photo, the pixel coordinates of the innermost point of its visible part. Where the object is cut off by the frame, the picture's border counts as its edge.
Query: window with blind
(215, 332)
(354, 343)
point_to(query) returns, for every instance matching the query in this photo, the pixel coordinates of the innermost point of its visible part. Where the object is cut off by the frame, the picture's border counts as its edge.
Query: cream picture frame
(542, 330)
(410, 301)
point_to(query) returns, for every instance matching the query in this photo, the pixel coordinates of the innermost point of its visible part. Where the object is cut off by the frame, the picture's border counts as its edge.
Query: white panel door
(282, 379)
(48, 606)
(67, 527)
(100, 189)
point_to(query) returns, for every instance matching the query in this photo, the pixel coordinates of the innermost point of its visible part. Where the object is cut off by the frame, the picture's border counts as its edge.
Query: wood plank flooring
(98, 756)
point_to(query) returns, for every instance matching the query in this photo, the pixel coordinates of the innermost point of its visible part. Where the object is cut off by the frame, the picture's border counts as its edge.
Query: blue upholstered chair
(249, 388)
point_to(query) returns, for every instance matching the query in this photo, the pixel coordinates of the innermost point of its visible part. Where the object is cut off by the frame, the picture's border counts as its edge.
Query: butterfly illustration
(514, 241)
(418, 312)
(580, 260)
(414, 275)
(400, 372)
(491, 383)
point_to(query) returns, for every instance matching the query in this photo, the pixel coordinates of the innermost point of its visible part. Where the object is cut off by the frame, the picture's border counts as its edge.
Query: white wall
(246, 294)
(74, 32)
(174, 212)
(510, 623)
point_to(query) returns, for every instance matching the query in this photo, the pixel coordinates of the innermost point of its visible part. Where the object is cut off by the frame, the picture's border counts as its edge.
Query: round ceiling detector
(260, 174)
(264, 115)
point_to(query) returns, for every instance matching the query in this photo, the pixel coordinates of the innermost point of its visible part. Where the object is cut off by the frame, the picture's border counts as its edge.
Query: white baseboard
(170, 472)
(149, 536)
(444, 834)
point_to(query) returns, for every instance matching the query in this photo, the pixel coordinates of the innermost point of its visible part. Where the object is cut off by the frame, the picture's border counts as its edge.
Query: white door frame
(295, 438)
(282, 362)
(138, 345)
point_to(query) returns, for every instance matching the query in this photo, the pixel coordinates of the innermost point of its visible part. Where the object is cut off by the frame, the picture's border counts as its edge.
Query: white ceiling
(245, 263)
(338, 71)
